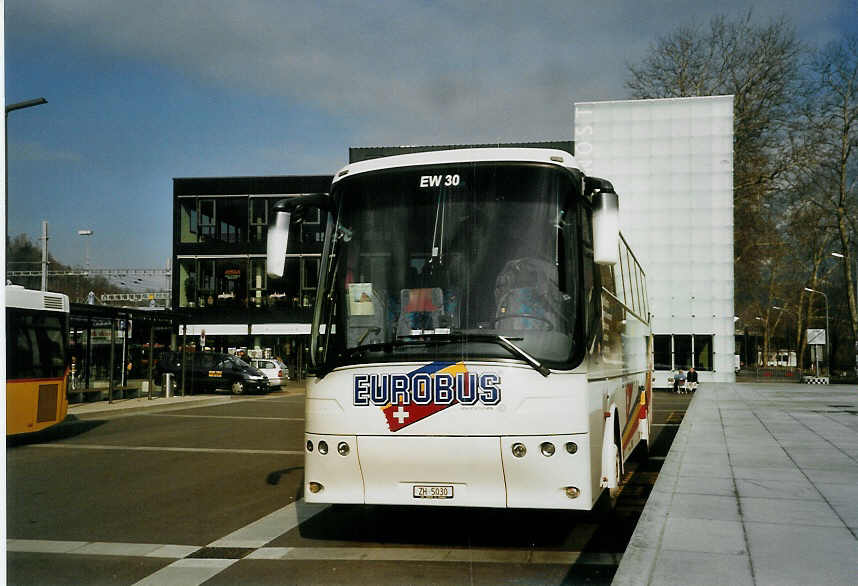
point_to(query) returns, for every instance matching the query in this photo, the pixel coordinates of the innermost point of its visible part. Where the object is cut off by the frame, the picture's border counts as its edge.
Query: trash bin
(168, 384)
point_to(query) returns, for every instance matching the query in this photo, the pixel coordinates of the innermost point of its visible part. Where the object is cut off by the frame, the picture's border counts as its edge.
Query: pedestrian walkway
(760, 487)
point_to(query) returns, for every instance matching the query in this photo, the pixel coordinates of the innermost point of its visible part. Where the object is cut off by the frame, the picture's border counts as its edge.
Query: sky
(140, 92)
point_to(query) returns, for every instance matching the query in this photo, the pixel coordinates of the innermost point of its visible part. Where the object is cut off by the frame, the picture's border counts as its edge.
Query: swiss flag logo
(401, 415)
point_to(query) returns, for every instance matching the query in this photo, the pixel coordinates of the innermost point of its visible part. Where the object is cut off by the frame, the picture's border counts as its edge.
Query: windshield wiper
(454, 336)
(506, 343)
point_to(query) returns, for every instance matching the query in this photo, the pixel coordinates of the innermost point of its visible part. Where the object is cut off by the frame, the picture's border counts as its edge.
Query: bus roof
(473, 155)
(18, 297)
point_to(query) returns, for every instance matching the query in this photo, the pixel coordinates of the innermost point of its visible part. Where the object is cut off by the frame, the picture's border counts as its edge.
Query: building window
(258, 282)
(703, 351)
(284, 292)
(232, 220)
(313, 217)
(207, 220)
(206, 283)
(187, 283)
(661, 352)
(258, 210)
(682, 351)
(685, 348)
(188, 228)
(215, 219)
(310, 277)
(231, 282)
(243, 282)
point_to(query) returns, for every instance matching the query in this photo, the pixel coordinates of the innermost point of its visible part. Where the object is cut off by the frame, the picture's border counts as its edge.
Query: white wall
(671, 162)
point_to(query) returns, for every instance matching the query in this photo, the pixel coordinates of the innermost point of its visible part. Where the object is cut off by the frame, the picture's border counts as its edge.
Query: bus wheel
(237, 388)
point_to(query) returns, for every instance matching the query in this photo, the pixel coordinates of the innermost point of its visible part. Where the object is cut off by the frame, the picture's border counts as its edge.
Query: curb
(124, 407)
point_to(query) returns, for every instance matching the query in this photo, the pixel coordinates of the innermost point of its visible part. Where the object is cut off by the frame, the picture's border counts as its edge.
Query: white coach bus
(481, 334)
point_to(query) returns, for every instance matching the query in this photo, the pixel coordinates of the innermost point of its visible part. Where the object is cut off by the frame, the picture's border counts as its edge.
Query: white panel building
(671, 162)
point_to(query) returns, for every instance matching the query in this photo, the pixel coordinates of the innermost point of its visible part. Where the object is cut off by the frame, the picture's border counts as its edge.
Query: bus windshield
(438, 262)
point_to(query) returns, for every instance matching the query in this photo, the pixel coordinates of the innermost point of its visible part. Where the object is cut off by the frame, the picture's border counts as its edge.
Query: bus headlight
(309, 446)
(571, 447)
(547, 449)
(323, 447)
(518, 450)
(315, 487)
(343, 449)
(572, 492)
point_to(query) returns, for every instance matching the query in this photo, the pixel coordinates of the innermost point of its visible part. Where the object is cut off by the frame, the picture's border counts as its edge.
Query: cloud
(398, 71)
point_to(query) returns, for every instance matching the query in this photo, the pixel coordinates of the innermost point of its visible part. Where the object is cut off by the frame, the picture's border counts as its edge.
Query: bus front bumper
(550, 472)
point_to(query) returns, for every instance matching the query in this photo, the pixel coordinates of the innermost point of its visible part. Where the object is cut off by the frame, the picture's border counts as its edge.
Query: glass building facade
(219, 268)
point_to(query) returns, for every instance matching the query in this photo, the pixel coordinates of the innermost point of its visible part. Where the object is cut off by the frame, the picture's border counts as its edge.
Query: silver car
(275, 370)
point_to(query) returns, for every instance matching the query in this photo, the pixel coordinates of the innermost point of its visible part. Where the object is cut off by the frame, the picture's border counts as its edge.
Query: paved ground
(760, 487)
(206, 489)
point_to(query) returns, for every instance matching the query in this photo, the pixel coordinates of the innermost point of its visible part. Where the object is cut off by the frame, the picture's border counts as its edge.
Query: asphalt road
(211, 494)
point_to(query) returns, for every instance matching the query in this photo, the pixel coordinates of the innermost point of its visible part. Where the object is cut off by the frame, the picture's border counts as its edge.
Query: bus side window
(25, 362)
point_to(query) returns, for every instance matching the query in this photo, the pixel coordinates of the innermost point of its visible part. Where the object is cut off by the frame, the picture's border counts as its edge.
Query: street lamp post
(88, 234)
(761, 358)
(11, 108)
(854, 276)
(86, 258)
(827, 351)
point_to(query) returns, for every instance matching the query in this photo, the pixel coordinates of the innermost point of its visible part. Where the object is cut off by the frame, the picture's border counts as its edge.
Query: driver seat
(527, 296)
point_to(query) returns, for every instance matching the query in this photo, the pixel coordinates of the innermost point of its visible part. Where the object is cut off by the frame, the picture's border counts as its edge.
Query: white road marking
(195, 571)
(404, 554)
(43, 546)
(186, 572)
(101, 548)
(367, 554)
(664, 424)
(222, 417)
(271, 526)
(72, 446)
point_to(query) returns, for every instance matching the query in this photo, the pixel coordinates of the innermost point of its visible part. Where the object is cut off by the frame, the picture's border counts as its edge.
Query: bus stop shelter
(114, 349)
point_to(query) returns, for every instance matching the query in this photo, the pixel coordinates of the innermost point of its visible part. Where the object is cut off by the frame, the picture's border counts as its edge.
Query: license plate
(433, 492)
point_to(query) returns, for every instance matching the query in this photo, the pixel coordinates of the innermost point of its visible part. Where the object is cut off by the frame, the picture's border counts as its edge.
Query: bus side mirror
(606, 228)
(278, 230)
(278, 240)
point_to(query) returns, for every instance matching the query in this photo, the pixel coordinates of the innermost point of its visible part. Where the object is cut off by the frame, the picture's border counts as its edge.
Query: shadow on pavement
(274, 477)
(71, 426)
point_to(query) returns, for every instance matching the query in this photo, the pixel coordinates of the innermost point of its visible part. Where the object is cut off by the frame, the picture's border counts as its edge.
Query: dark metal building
(220, 280)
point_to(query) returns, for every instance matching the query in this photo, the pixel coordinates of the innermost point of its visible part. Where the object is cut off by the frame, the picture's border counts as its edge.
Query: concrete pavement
(760, 487)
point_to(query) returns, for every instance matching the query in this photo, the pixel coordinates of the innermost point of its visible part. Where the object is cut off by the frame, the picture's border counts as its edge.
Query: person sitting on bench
(691, 380)
(679, 381)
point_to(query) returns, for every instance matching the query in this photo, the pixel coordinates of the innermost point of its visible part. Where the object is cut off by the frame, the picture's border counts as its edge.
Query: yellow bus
(36, 359)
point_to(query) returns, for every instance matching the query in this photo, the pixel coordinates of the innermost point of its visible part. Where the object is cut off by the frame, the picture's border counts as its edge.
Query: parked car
(276, 371)
(210, 371)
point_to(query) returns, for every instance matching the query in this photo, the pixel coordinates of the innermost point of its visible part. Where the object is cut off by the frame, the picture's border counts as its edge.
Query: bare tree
(830, 117)
(759, 65)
